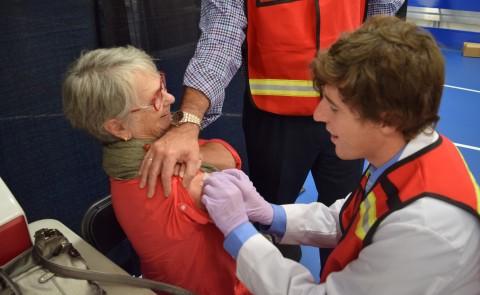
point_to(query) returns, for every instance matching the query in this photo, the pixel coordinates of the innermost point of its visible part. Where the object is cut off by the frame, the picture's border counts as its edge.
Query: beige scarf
(122, 159)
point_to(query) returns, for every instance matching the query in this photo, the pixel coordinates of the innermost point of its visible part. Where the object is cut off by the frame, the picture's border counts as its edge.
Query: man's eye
(333, 109)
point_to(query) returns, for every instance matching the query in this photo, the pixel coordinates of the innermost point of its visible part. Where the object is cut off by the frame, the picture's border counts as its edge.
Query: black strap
(9, 283)
(317, 24)
(92, 275)
(365, 12)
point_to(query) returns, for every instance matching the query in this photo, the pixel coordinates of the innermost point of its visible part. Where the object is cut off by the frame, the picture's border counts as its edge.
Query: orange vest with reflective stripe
(283, 37)
(437, 171)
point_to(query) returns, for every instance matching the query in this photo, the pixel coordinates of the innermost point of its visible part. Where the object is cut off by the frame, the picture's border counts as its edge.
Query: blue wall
(53, 170)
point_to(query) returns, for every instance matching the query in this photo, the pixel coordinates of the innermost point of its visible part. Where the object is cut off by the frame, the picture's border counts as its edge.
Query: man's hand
(178, 145)
(258, 210)
(224, 202)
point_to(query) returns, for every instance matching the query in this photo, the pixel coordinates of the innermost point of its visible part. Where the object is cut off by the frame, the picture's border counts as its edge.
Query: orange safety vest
(438, 171)
(283, 37)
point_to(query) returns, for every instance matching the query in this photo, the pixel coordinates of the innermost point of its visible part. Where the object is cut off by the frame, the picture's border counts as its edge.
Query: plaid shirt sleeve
(219, 52)
(385, 7)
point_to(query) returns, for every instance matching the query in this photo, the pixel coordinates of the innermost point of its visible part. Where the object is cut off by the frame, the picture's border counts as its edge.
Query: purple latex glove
(258, 210)
(224, 202)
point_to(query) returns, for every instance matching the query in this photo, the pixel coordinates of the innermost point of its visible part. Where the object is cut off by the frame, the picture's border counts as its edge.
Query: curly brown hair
(388, 71)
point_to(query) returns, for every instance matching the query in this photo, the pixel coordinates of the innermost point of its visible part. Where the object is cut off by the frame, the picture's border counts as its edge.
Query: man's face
(353, 137)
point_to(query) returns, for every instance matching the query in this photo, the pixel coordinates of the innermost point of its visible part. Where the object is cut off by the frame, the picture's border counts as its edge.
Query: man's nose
(319, 113)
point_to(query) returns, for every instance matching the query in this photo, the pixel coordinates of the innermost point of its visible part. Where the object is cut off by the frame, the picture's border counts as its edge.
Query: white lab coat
(429, 247)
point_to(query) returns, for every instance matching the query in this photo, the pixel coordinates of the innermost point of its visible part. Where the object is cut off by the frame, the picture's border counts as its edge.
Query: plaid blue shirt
(219, 50)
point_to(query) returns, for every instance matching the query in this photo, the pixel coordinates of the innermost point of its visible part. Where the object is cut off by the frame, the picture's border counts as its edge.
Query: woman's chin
(164, 125)
(162, 130)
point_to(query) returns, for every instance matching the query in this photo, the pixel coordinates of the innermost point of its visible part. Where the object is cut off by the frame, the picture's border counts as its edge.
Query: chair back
(101, 229)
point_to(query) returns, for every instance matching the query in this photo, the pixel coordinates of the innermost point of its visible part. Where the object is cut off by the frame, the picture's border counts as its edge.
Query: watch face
(180, 117)
(177, 116)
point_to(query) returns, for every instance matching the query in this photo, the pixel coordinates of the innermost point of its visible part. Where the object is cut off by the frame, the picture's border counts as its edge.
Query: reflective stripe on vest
(475, 184)
(477, 190)
(279, 87)
(283, 38)
(368, 215)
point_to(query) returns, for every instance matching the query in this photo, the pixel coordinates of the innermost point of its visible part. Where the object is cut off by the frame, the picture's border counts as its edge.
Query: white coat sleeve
(313, 224)
(430, 247)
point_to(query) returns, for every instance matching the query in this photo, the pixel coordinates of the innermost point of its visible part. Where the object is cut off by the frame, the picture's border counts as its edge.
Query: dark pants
(282, 150)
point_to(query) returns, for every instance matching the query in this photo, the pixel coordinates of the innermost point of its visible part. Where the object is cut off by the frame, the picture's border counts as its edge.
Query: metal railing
(444, 18)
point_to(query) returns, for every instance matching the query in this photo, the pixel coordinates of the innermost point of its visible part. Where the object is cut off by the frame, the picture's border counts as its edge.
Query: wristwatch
(181, 117)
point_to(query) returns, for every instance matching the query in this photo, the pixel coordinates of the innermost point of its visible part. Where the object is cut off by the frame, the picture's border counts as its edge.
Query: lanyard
(376, 172)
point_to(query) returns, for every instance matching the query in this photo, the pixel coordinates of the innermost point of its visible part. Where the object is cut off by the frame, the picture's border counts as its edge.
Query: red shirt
(177, 242)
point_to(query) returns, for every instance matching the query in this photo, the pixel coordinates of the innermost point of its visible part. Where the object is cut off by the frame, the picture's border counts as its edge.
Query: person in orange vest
(282, 141)
(412, 226)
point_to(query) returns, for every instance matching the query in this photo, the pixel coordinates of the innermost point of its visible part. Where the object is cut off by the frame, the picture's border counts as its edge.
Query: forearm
(218, 54)
(263, 269)
(312, 224)
(384, 7)
(195, 102)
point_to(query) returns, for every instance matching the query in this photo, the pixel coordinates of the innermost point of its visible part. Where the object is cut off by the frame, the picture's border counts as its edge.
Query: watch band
(181, 117)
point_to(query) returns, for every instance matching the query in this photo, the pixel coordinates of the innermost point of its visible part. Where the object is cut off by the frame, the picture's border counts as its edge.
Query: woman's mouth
(166, 114)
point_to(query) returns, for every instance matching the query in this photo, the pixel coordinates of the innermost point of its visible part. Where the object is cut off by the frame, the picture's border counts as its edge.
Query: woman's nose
(168, 98)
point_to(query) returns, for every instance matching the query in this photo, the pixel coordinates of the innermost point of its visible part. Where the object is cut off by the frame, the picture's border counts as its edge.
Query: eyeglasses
(157, 100)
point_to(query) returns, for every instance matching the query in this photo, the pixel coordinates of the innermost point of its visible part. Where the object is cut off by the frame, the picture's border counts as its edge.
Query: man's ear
(387, 128)
(116, 128)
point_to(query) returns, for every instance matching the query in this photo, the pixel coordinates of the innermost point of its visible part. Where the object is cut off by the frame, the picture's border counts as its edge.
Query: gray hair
(99, 86)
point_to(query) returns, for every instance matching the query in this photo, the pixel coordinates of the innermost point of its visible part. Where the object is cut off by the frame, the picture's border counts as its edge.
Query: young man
(412, 226)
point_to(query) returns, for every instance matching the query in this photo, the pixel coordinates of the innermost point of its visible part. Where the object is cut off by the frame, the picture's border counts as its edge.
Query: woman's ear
(116, 128)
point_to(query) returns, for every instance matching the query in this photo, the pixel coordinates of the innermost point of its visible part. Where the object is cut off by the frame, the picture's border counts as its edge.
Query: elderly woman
(118, 96)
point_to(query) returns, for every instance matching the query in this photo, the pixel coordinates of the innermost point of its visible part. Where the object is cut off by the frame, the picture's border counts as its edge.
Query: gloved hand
(258, 210)
(224, 202)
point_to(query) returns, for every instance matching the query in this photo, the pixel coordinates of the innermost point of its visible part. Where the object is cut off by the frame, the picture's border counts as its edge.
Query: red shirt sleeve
(235, 155)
